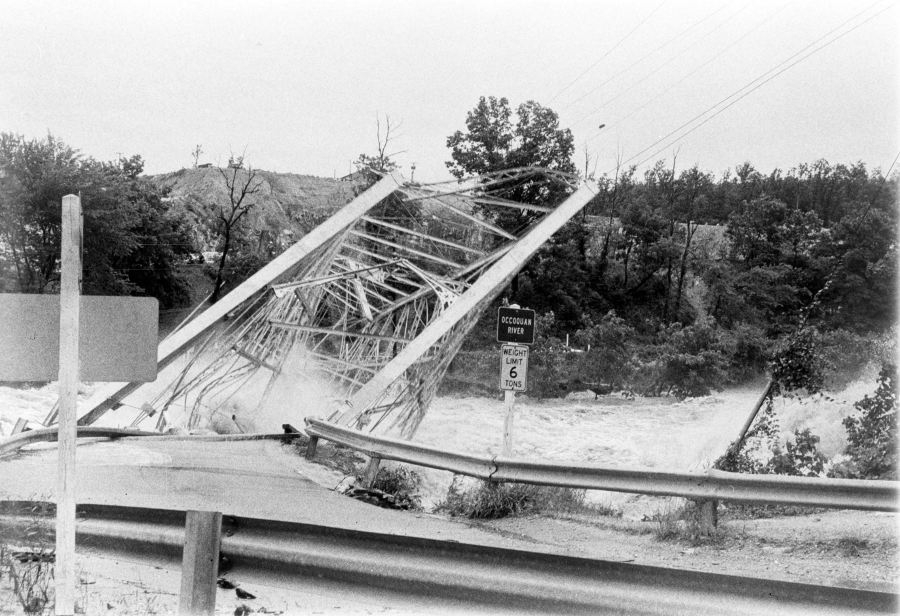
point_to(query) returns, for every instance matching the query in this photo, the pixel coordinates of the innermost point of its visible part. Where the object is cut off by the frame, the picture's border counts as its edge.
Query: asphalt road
(257, 479)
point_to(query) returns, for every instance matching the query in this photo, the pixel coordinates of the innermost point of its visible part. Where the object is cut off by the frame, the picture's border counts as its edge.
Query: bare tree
(589, 173)
(384, 135)
(242, 185)
(196, 154)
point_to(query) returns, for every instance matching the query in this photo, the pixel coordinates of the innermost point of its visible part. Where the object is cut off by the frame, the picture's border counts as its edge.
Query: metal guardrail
(453, 576)
(708, 486)
(17, 441)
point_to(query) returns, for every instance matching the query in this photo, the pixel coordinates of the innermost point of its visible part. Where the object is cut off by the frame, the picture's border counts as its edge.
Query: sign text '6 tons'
(513, 367)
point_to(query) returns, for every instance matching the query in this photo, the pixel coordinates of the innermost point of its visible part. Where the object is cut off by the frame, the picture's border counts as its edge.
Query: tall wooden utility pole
(70, 306)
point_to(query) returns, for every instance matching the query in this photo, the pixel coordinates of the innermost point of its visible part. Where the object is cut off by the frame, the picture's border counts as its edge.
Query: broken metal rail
(711, 485)
(453, 577)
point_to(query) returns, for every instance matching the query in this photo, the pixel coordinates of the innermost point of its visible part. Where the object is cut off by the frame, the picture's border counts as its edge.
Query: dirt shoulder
(847, 548)
(840, 548)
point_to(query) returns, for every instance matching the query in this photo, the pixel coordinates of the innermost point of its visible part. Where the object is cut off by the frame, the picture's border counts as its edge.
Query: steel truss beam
(369, 305)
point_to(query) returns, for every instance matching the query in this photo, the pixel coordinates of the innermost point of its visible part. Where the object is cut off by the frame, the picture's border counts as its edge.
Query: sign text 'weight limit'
(513, 367)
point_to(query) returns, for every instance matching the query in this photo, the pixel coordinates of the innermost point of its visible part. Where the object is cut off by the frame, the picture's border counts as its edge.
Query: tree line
(132, 241)
(671, 280)
(676, 280)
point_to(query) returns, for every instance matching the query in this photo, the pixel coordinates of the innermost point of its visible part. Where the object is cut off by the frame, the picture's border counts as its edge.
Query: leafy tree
(132, 243)
(494, 143)
(872, 433)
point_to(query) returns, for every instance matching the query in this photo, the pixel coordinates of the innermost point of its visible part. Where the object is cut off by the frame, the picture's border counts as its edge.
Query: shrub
(490, 500)
(798, 362)
(549, 361)
(802, 457)
(749, 352)
(399, 481)
(27, 554)
(872, 434)
(684, 523)
(609, 358)
(692, 359)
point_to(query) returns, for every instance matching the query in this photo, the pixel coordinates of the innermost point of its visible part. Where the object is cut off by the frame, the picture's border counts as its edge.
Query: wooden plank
(200, 563)
(499, 274)
(172, 347)
(70, 305)
(371, 472)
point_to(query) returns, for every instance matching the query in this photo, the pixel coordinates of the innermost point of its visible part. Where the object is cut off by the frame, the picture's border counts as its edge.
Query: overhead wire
(758, 85)
(660, 67)
(644, 57)
(622, 40)
(692, 73)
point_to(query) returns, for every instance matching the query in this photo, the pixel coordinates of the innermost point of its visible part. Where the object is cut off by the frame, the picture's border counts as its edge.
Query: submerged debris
(381, 499)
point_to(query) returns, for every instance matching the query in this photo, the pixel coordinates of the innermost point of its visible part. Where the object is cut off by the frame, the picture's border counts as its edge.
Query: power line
(622, 40)
(633, 64)
(757, 86)
(692, 73)
(661, 66)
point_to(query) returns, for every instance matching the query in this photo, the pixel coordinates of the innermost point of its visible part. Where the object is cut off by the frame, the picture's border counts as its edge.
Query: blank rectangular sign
(117, 338)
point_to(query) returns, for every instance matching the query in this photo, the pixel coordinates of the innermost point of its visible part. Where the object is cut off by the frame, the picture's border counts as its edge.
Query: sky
(297, 86)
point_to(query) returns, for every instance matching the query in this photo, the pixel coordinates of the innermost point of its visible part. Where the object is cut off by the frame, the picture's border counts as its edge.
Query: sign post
(516, 326)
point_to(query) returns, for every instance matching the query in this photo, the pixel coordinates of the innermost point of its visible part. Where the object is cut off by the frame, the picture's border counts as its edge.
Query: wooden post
(311, 447)
(368, 479)
(709, 517)
(509, 397)
(200, 563)
(70, 305)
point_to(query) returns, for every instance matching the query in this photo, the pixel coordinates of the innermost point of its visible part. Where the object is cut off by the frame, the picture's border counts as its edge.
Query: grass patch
(762, 512)
(684, 523)
(27, 556)
(400, 482)
(489, 501)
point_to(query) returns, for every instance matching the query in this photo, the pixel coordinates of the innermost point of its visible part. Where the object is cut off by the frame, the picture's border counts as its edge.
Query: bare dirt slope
(285, 201)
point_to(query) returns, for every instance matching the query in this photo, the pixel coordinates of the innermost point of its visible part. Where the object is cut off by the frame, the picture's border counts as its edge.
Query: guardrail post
(311, 447)
(368, 479)
(200, 563)
(709, 517)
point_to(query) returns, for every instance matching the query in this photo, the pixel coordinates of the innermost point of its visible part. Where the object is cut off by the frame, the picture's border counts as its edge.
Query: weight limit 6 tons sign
(513, 367)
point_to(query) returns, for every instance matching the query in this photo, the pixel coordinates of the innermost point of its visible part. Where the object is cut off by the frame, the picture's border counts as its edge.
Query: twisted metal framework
(348, 308)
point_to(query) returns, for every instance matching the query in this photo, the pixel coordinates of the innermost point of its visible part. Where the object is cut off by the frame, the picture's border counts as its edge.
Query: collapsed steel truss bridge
(375, 301)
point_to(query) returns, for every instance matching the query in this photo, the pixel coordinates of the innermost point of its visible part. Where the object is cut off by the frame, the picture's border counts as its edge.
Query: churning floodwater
(614, 430)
